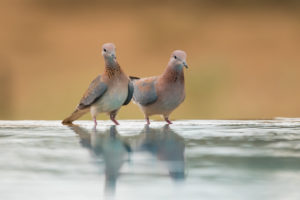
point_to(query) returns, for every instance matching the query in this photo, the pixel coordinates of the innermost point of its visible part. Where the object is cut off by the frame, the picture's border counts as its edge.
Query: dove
(107, 92)
(160, 95)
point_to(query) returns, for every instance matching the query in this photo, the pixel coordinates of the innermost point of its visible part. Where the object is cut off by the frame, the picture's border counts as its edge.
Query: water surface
(194, 159)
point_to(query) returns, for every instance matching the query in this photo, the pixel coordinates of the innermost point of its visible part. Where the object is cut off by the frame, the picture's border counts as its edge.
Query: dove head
(178, 60)
(109, 52)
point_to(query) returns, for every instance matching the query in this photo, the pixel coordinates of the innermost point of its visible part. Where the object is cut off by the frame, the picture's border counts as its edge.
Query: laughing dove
(107, 92)
(162, 94)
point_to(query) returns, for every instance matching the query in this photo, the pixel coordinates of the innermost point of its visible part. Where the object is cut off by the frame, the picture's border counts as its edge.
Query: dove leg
(167, 120)
(112, 117)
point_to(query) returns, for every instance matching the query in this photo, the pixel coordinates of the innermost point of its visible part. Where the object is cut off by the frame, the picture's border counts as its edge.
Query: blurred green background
(244, 56)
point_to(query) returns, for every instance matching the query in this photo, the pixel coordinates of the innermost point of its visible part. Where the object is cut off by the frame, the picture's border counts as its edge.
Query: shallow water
(194, 159)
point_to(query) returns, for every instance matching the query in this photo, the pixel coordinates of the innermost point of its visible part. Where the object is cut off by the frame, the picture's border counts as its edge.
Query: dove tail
(75, 115)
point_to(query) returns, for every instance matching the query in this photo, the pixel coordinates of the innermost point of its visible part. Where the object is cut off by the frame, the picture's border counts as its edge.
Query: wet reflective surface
(195, 159)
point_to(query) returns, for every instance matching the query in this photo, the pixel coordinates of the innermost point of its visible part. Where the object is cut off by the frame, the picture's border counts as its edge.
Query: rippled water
(195, 159)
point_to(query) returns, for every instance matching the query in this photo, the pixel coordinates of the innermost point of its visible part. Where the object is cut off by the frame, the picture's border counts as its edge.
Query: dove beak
(185, 65)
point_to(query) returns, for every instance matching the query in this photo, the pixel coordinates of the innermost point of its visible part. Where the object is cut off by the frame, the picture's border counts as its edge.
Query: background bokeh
(244, 56)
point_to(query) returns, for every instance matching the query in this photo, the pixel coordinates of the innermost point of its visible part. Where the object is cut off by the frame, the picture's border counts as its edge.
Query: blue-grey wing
(96, 89)
(130, 93)
(145, 91)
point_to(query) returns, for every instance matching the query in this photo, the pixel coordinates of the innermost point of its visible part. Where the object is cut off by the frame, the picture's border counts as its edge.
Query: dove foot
(95, 122)
(112, 118)
(115, 121)
(167, 120)
(148, 121)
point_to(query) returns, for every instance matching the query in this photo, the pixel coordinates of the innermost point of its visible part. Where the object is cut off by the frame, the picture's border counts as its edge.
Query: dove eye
(104, 50)
(175, 57)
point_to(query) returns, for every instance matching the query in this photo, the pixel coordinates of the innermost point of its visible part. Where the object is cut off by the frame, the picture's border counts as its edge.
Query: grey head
(109, 53)
(178, 60)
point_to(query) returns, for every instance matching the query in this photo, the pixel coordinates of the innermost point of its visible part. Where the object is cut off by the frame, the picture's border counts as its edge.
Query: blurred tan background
(244, 56)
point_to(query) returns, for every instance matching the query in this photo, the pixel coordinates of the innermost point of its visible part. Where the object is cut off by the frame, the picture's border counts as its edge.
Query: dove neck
(173, 74)
(112, 68)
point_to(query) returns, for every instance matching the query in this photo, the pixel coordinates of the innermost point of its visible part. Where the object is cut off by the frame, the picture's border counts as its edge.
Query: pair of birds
(108, 92)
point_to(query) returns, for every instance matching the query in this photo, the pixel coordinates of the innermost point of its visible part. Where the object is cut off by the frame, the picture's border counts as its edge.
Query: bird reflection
(114, 150)
(110, 147)
(166, 146)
